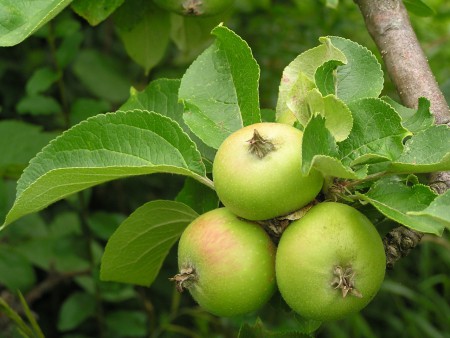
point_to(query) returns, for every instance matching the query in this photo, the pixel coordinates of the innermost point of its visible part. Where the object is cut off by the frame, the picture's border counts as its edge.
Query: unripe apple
(257, 172)
(226, 263)
(330, 263)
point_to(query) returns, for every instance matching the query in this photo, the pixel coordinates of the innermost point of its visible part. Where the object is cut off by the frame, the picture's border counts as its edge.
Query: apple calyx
(259, 146)
(184, 279)
(344, 279)
(193, 7)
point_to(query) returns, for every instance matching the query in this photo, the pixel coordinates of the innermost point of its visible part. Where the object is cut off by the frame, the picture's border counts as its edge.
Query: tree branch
(388, 23)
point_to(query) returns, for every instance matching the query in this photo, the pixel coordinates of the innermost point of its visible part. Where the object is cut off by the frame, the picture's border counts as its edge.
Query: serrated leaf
(161, 96)
(412, 119)
(101, 149)
(419, 8)
(220, 89)
(135, 252)
(326, 76)
(198, 196)
(338, 118)
(425, 152)
(21, 18)
(376, 136)
(319, 150)
(302, 69)
(95, 11)
(438, 209)
(401, 202)
(16, 148)
(361, 76)
(144, 30)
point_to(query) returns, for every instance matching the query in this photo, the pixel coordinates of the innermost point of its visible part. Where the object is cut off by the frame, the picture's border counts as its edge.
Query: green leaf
(401, 202)
(361, 76)
(75, 310)
(41, 80)
(326, 77)
(332, 3)
(38, 105)
(298, 76)
(136, 251)
(68, 48)
(320, 150)
(412, 119)
(338, 118)
(198, 196)
(144, 29)
(83, 108)
(101, 149)
(101, 75)
(161, 96)
(376, 136)
(438, 209)
(16, 272)
(220, 89)
(425, 152)
(192, 35)
(21, 18)
(95, 11)
(419, 8)
(127, 323)
(258, 330)
(16, 148)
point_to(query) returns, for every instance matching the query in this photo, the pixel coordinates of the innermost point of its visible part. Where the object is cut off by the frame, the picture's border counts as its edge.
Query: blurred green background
(70, 70)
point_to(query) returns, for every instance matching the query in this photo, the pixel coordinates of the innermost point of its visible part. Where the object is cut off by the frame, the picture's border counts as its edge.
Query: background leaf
(220, 89)
(419, 8)
(21, 18)
(101, 149)
(136, 251)
(144, 29)
(198, 196)
(16, 148)
(75, 310)
(401, 203)
(95, 11)
(438, 209)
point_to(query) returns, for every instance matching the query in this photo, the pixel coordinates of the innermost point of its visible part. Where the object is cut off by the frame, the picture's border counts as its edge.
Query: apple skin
(199, 8)
(263, 188)
(329, 235)
(234, 263)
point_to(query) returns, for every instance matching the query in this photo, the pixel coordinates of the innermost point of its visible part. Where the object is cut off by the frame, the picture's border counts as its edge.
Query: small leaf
(220, 89)
(338, 118)
(16, 272)
(412, 119)
(75, 310)
(198, 196)
(41, 80)
(376, 136)
(21, 18)
(400, 202)
(144, 29)
(425, 152)
(95, 11)
(326, 77)
(38, 105)
(361, 76)
(136, 251)
(419, 8)
(319, 150)
(101, 149)
(127, 323)
(438, 209)
(303, 68)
